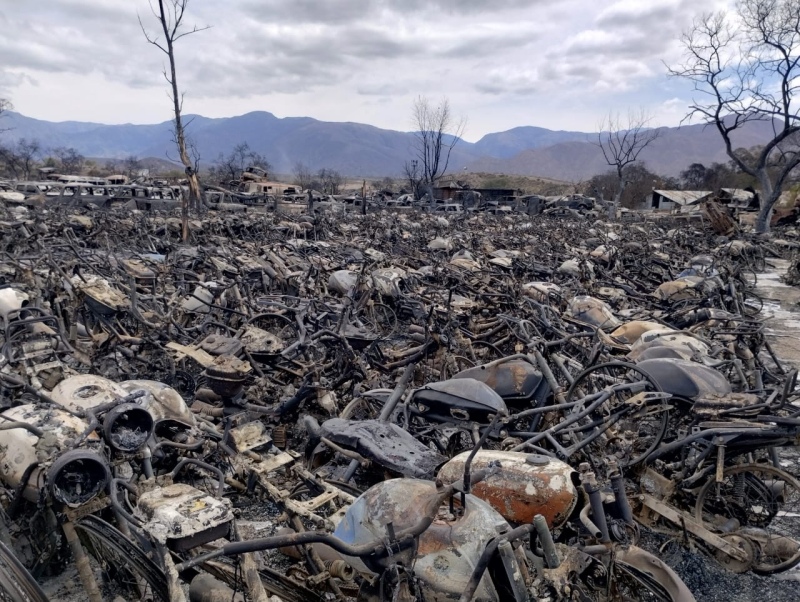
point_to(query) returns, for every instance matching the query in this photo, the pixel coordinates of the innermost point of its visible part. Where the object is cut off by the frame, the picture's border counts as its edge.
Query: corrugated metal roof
(684, 197)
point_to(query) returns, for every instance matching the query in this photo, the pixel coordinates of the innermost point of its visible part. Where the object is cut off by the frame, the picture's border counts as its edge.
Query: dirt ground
(782, 310)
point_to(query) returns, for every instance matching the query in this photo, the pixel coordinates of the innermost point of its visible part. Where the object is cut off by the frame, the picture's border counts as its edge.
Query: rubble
(410, 405)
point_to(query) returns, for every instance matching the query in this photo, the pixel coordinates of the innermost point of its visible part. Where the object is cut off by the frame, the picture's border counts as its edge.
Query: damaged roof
(684, 197)
(737, 194)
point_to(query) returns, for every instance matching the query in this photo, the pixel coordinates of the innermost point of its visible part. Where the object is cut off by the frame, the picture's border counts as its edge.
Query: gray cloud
(372, 56)
(309, 11)
(622, 46)
(275, 46)
(347, 11)
(77, 37)
(665, 14)
(475, 43)
(10, 80)
(380, 89)
(92, 11)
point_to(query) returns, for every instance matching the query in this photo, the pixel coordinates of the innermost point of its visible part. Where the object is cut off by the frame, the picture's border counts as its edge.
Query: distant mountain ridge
(357, 149)
(506, 144)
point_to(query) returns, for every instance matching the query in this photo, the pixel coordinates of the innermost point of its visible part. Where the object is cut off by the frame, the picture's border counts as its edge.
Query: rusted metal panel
(448, 549)
(523, 485)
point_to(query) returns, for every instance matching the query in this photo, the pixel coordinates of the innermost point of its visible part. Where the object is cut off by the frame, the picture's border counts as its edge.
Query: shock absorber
(620, 499)
(546, 539)
(592, 488)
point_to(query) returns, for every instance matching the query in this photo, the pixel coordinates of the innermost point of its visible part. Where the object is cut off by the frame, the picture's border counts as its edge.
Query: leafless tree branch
(747, 71)
(169, 14)
(437, 131)
(621, 142)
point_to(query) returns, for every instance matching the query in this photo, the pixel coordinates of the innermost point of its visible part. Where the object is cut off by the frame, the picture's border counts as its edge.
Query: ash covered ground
(227, 320)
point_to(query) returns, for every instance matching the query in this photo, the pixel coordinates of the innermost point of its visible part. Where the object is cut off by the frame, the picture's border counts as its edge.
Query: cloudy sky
(559, 64)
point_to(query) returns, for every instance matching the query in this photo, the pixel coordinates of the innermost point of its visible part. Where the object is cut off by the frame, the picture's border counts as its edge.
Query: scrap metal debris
(389, 406)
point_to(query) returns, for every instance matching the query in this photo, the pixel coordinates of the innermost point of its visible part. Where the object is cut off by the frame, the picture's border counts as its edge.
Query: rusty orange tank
(525, 485)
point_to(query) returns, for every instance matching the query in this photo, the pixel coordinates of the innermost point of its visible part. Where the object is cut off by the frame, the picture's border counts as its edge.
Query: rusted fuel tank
(448, 550)
(525, 485)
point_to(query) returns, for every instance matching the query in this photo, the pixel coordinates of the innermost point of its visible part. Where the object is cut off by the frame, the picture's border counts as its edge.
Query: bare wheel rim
(362, 408)
(638, 432)
(632, 585)
(380, 318)
(125, 569)
(765, 501)
(16, 583)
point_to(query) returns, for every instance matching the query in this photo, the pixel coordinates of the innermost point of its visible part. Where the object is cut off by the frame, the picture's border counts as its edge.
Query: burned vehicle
(9, 194)
(80, 196)
(146, 198)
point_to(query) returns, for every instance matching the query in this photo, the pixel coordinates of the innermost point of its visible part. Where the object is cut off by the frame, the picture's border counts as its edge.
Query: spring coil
(279, 436)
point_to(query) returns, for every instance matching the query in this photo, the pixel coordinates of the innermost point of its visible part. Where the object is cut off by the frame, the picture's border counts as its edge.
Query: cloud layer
(552, 63)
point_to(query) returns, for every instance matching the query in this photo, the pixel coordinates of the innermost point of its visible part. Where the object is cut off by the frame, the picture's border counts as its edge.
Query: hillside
(509, 143)
(671, 153)
(356, 149)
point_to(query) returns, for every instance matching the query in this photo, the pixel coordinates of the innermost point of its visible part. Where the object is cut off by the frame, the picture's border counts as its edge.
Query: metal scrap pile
(384, 407)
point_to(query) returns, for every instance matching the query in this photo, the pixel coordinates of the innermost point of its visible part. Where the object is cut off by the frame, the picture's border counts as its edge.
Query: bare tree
(241, 157)
(302, 175)
(386, 184)
(640, 183)
(131, 165)
(112, 166)
(437, 131)
(170, 15)
(5, 105)
(21, 157)
(623, 142)
(744, 68)
(69, 160)
(331, 180)
(194, 153)
(411, 173)
(28, 152)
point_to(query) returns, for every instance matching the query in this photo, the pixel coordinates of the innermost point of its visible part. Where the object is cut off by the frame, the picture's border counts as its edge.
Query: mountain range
(357, 149)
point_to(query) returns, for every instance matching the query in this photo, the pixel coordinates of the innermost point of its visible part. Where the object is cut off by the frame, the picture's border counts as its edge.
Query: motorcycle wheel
(16, 583)
(125, 568)
(637, 433)
(639, 576)
(766, 503)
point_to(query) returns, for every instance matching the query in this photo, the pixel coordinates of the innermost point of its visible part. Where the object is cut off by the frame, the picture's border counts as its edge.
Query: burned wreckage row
(384, 407)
